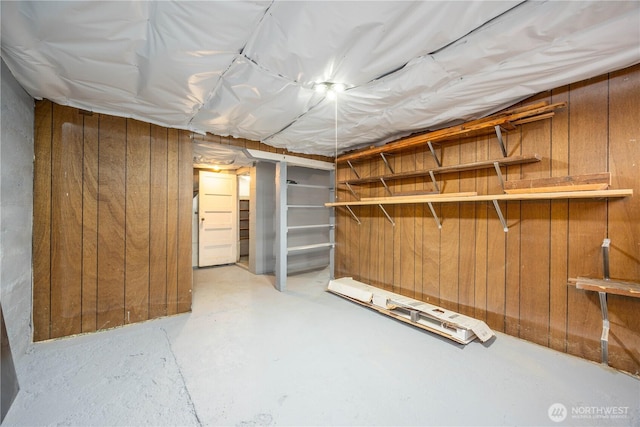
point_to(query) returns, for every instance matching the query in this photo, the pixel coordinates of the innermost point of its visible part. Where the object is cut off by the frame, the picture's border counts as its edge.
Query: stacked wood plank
(506, 119)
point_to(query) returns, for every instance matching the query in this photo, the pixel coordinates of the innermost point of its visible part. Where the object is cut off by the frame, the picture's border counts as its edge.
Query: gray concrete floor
(248, 355)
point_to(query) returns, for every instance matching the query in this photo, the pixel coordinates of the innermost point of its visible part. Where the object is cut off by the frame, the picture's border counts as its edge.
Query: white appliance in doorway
(218, 219)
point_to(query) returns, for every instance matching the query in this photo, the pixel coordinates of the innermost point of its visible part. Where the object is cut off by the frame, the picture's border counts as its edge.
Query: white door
(218, 224)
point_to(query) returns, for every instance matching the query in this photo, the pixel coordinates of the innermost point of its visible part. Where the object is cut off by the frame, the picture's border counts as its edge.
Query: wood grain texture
(111, 227)
(624, 216)
(587, 219)
(172, 221)
(535, 241)
(158, 223)
(419, 229)
(185, 201)
(66, 223)
(364, 230)
(496, 252)
(481, 236)
(466, 269)
(405, 222)
(512, 266)
(137, 189)
(90, 223)
(559, 227)
(450, 235)
(42, 221)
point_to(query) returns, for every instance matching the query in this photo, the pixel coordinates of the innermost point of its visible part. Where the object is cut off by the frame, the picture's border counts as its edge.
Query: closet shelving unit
(303, 223)
(243, 222)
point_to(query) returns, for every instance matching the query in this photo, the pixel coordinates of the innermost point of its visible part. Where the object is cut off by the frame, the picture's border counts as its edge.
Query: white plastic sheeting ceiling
(248, 69)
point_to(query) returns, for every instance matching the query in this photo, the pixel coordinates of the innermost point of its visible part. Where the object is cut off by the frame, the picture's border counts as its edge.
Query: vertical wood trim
(185, 202)
(158, 223)
(90, 224)
(66, 223)
(137, 222)
(42, 221)
(111, 217)
(172, 222)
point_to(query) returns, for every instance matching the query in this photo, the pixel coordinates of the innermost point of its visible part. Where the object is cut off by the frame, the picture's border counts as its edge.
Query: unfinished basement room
(320, 213)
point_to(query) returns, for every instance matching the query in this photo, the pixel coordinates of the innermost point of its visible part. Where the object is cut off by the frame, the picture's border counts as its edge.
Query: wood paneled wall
(517, 281)
(112, 221)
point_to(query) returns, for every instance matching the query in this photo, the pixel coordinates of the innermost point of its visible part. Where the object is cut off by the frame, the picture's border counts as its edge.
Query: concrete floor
(248, 355)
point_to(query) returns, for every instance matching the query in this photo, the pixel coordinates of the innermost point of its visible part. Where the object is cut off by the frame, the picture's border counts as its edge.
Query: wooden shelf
(617, 287)
(473, 197)
(507, 120)
(485, 164)
(305, 206)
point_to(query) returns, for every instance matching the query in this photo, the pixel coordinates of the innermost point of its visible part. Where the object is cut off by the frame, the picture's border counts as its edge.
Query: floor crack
(184, 382)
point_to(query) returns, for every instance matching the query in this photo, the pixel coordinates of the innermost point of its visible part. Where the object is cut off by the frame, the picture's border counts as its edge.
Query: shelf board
(617, 287)
(320, 187)
(465, 197)
(485, 164)
(525, 114)
(304, 227)
(309, 247)
(305, 206)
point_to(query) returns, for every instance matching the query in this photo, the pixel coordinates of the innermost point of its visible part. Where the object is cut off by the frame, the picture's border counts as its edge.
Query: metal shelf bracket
(500, 141)
(433, 153)
(387, 215)
(352, 214)
(499, 212)
(435, 216)
(386, 163)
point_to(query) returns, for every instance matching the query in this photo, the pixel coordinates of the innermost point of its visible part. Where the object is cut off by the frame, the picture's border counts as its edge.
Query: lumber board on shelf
(617, 287)
(538, 110)
(483, 164)
(594, 181)
(456, 197)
